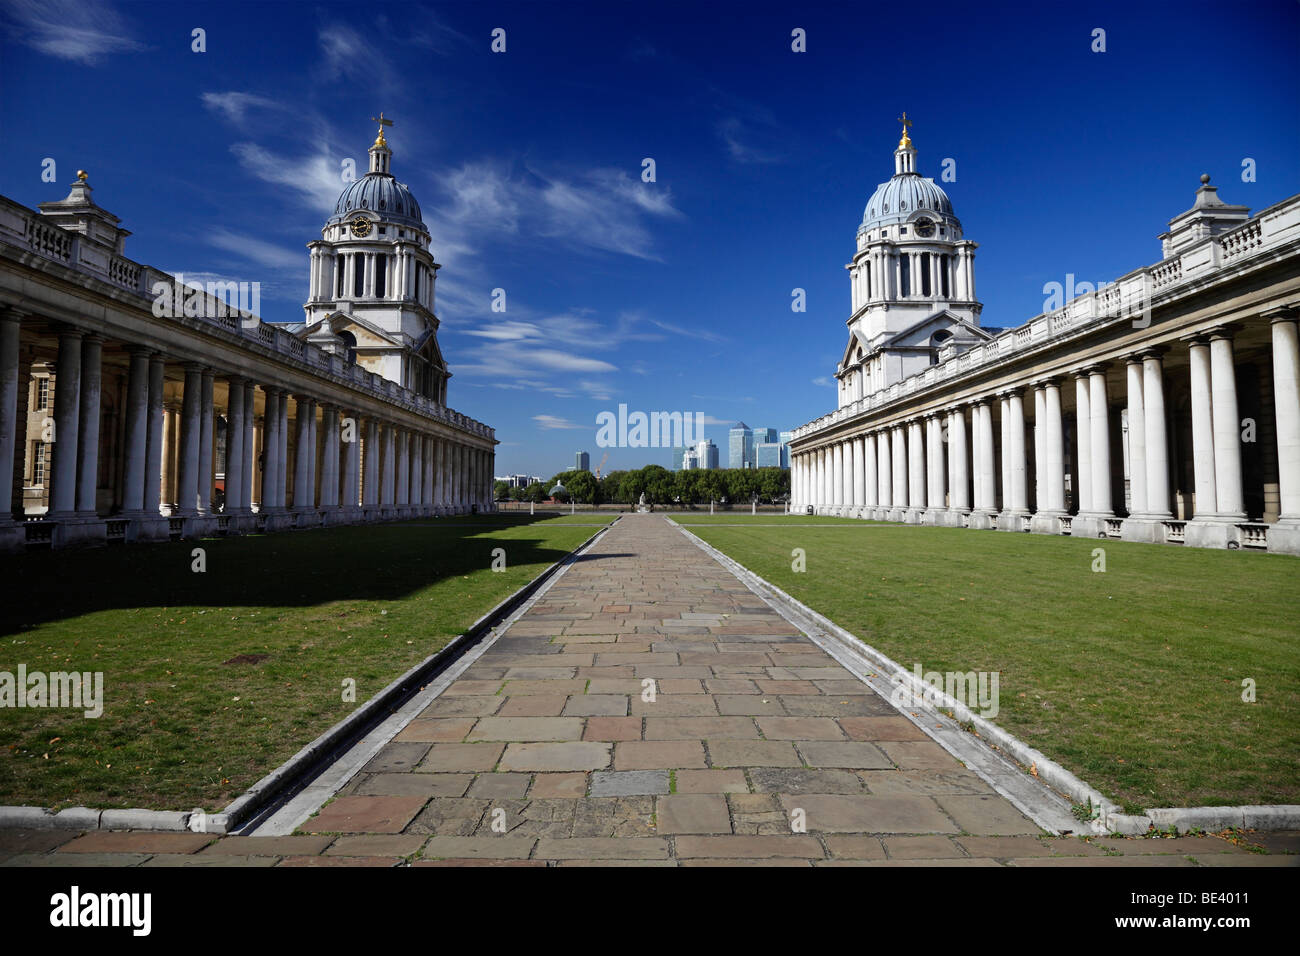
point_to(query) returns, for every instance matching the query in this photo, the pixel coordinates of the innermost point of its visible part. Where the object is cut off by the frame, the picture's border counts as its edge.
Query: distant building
(703, 454)
(678, 455)
(584, 462)
(741, 441)
(767, 454)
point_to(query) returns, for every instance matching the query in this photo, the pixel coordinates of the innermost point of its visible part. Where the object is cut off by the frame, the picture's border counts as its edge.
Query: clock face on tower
(361, 227)
(924, 228)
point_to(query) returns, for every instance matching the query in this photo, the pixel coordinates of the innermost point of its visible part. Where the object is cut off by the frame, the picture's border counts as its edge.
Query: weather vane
(379, 140)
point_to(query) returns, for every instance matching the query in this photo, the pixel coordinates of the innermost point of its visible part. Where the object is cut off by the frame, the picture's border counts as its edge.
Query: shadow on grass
(290, 569)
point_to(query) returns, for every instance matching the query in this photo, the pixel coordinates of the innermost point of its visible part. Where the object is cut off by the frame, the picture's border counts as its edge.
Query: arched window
(350, 341)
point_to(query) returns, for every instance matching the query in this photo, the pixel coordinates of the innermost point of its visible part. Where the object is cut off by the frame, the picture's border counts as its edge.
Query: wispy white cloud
(703, 334)
(550, 422)
(234, 105)
(81, 32)
(733, 132)
(823, 380)
(316, 179)
(258, 250)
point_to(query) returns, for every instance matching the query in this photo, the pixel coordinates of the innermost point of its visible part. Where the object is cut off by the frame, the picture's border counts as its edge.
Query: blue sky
(672, 295)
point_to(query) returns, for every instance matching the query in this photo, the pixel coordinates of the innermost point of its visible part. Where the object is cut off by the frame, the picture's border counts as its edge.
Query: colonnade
(942, 465)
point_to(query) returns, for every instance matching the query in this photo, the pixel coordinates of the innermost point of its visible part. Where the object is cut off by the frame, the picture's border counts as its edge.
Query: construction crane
(601, 465)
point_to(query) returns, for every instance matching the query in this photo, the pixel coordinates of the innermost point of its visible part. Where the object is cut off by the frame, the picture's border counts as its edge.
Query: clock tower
(371, 289)
(912, 282)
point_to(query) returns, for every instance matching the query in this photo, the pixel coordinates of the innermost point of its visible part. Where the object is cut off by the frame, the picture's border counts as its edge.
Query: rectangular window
(925, 274)
(944, 265)
(417, 283)
(381, 275)
(38, 463)
(905, 267)
(359, 275)
(338, 277)
(42, 394)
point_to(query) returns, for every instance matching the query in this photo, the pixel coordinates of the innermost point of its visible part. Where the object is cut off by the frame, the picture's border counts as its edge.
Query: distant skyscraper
(767, 454)
(784, 438)
(741, 446)
(707, 453)
(584, 461)
(678, 455)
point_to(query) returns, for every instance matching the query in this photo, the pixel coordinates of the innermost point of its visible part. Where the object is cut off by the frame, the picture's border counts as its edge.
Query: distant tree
(582, 486)
(502, 490)
(536, 492)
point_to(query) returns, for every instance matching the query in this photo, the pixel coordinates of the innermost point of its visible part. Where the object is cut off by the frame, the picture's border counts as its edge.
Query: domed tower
(372, 281)
(912, 282)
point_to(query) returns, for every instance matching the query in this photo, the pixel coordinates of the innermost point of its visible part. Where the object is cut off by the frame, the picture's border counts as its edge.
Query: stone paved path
(545, 751)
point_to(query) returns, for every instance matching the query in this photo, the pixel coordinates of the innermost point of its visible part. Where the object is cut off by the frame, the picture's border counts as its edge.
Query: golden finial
(82, 175)
(379, 140)
(906, 141)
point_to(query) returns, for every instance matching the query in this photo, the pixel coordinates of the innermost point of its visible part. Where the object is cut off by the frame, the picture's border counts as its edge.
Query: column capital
(1096, 368)
(193, 366)
(1225, 331)
(236, 380)
(1051, 381)
(1012, 392)
(10, 313)
(1283, 313)
(272, 390)
(63, 328)
(1154, 353)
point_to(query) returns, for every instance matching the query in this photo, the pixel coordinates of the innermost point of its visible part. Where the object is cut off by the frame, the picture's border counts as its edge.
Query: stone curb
(301, 767)
(1050, 774)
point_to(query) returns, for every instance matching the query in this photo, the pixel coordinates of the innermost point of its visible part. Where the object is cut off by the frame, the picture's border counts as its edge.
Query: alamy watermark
(977, 690)
(653, 430)
(210, 300)
(79, 690)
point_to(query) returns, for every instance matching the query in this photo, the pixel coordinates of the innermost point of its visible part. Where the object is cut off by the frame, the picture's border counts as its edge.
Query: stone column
(1285, 533)
(67, 414)
(858, 499)
(416, 443)
(282, 483)
(1054, 439)
(1016, 497)
(960, 493)
(885, 469)
(92, 350)
(350, 498)
(1157, 444)
(935, 469)
(1137, 442)
(1040, 457)
(270, 448)
(430, 465)
(389, 489)
(249, 448)
(1202, 429)
(1099, 419)
(206, 427)
(12, 536)
(330, 497)
(987, 489)
(1083, 438)
(370, 484)
(870, 480)
(1227, 427)
(915, 471)
(898, 451)
(137, 431)
(1004, 425)
(235, 445)
(403, 476)
(837, 476)
(154, 444)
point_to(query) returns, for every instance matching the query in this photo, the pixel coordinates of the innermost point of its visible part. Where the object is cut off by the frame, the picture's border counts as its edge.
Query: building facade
(740, 441)
(1162, 407)
(582, 462)
(134, 407)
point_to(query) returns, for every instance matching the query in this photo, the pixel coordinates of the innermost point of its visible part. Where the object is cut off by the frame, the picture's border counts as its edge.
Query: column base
(1284, 536)
(955, 518)
(277, 521)
(13, 538)
(933, 517)
(981, 520)
(912, 516)
(146, 528)
(73, 531)
(241, 522)
(1013, 521)
(1213, 531)
(1145, 528)
(1090, 525)
(895, 514)
(1046, 522)
(200, 526)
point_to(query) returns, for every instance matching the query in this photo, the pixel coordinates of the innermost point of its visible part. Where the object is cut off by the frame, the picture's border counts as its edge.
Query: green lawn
(1131, 678)
(213, 679)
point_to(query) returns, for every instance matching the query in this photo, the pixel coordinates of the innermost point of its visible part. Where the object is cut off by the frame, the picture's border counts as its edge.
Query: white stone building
(135, 408)
(1162, 407)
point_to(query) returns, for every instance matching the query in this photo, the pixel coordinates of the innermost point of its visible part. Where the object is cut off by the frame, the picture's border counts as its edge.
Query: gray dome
(899, 200)
(383, 197)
